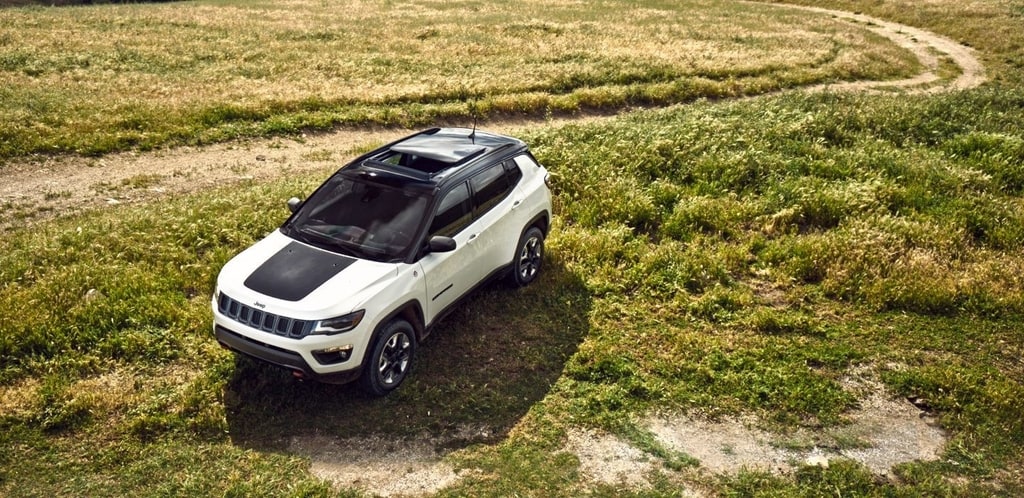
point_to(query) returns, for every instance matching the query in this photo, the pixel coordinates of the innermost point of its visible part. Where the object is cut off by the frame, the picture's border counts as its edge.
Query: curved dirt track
(927, 46)
(34, 190)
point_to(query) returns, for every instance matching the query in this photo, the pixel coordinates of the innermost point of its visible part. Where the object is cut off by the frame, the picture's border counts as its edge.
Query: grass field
(760, 251)
(96, 79)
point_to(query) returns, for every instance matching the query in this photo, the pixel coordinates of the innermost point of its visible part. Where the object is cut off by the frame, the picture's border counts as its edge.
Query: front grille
(259, 319)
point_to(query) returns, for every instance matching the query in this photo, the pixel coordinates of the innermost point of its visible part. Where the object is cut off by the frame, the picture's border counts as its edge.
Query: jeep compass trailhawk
(356, 277)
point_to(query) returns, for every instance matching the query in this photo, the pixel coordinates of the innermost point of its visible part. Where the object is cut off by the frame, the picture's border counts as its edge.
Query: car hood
(291, 277)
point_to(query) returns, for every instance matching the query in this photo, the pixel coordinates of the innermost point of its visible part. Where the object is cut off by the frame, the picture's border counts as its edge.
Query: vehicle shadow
(481, 369)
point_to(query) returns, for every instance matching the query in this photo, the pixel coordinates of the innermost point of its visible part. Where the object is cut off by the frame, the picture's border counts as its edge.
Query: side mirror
(294, 203)
(441, 244)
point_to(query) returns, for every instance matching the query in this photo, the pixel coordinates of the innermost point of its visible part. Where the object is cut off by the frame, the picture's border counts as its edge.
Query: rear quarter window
(490, 186)
(513, 172)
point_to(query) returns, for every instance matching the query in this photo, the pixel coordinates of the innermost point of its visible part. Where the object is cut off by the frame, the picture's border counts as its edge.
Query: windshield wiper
(327, 240)
(307, 233)
(298, 235)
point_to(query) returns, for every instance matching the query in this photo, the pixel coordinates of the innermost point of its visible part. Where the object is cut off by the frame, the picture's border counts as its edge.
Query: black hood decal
(295, 271)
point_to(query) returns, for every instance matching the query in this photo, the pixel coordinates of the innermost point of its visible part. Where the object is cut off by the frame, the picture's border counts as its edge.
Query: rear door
(496, 228)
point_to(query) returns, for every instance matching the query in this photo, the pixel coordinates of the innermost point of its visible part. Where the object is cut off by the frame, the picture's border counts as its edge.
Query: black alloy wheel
(529, 256)
(390, 358)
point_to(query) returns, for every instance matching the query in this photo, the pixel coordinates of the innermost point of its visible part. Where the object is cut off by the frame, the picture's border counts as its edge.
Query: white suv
(374, 258)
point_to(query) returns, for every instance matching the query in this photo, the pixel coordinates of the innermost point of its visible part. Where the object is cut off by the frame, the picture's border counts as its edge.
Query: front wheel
(528, 258)
(390, 358)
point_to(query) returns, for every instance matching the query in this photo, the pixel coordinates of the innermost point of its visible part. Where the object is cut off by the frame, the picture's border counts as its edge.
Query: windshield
(360, 219)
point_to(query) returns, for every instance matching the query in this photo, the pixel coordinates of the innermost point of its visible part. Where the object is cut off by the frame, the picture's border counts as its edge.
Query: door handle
(517, 203)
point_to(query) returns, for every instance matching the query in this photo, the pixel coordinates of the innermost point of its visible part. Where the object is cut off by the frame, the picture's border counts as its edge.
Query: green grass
(755, 253)
(761, 251)
(96, 79)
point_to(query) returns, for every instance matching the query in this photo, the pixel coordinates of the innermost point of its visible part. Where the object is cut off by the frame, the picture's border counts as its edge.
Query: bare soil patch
(606, 459)
(883, 432)
(379, 465)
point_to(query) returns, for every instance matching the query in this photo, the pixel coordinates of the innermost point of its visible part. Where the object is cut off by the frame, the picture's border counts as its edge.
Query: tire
(389, 359)
(528, 258)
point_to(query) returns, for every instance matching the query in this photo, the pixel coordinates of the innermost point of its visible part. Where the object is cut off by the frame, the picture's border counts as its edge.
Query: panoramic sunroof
(423, 157)
(450, 156)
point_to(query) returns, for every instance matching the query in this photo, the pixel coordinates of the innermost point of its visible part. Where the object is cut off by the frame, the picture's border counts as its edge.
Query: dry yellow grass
(118, 68)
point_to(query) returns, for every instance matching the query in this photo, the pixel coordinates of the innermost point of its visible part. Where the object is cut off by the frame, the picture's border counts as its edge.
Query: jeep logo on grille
(260, 305)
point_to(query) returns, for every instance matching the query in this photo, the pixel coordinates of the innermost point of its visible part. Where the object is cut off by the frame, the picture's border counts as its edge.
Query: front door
(447, 274)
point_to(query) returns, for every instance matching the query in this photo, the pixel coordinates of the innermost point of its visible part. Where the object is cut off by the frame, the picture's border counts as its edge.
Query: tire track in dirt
(37, 190)
(925, 45)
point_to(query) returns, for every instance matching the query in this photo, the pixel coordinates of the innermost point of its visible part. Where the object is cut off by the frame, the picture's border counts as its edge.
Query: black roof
(433, 156)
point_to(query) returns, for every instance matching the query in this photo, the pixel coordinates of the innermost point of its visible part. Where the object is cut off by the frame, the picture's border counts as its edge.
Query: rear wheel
(390, 358)
(529, 256)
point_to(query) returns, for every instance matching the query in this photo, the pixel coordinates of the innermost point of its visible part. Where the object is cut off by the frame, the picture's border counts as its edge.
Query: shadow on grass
(483, 367)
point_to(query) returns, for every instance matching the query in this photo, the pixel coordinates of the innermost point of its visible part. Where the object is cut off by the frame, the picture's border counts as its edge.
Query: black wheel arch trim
(411, 311)
(542, 221)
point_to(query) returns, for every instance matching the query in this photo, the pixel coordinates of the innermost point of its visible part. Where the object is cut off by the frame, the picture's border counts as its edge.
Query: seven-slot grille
(259, 319)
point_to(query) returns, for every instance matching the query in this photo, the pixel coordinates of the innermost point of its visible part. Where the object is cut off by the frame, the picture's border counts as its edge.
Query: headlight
(339, 324)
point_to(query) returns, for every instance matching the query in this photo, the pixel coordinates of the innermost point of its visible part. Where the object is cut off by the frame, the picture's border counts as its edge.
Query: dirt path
(927, 46)
(31, 190)
(34, 191)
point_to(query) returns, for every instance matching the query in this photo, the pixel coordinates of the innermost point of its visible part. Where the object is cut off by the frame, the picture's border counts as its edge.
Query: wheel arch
(412, 313)
(542, 221)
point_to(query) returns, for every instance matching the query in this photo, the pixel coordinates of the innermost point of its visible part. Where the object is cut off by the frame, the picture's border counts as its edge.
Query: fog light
(333, 355)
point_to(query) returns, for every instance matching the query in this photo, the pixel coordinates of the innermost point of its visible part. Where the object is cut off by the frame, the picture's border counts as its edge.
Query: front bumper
(288, 360)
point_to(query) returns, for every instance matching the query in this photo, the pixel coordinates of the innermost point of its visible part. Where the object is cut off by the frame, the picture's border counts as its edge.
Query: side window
(453, 214)
(490, 186)
(513, 172)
